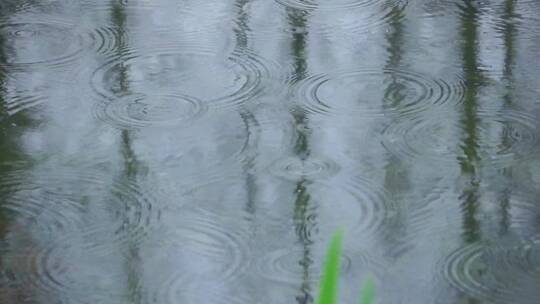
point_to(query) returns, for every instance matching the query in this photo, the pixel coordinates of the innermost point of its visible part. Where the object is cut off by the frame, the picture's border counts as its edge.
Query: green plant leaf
(328, 292)
(368, 292)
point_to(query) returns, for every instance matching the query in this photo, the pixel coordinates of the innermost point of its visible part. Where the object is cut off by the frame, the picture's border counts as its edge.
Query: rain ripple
(285, 266)
(207, 250)
(63, 202)
(55, 268)
(355, 16)
(511, 19)
(467, 270)
(88, 217)
(518, 19)
(21, 101)
(324, 202)
(59, 45)
(498, 274)
(38, 202)
(107, 40)
(289, 266)
(134, 215)
(293, 168)
(190, 78)
(339, 4)
(199, 294)
(138, 111)
(431, 137)
(373, 93)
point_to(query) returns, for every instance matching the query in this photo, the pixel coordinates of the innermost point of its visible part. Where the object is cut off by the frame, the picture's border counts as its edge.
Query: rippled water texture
(166, 152)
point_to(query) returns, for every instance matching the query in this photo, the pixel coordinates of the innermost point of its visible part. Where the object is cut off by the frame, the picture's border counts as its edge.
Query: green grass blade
(368, 292)
(328, 292)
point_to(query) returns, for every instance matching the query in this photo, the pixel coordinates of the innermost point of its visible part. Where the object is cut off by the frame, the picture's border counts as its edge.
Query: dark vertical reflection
(8, 7)
(11, 156)
(304, 224)
(394, 38)
(304, 227)
(4, 135)
(134, 261)
(119, 18)
(251, 185)
(11, 127)
(131, 164)
(509, 33)
(3, 62)
(396, 175)
(470, 196)
(250, 122)
(242, 27)
(297, 21)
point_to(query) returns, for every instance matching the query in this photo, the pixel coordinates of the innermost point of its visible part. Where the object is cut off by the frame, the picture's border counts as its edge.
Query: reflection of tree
(304, 226)
(8, 7)
(395, 41)
(11, 127)
(470, 197)
(297, 21)
(395, 179)
(250, 122)
(131, 164)
(303, 221)
(119, 18)
(5, 156)
(509, 33)
(242, 23)
(9, 124)
(133, 260)
(11, 156)
(251, 185)
(469, 160)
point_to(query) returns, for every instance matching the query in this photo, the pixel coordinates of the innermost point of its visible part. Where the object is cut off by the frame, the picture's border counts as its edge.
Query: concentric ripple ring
(406, 138)
(144, 111)
(203, 241)
(62, 43)
(221, 81)
(340, 4)
(372, 93)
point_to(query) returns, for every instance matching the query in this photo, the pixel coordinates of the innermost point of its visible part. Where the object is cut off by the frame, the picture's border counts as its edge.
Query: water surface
(206, 151)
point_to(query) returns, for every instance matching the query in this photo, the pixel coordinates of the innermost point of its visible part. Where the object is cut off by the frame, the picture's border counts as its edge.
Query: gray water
(182, 151)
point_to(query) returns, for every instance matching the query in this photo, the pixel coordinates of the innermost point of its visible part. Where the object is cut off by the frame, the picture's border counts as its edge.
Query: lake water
(182, 151)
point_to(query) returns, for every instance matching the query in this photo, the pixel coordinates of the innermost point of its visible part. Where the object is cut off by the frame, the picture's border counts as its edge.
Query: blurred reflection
(12, 160)
(509, 34)
(109, 194)
(304, 226)
(249, 120)
(470, 197)
(130, 172)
